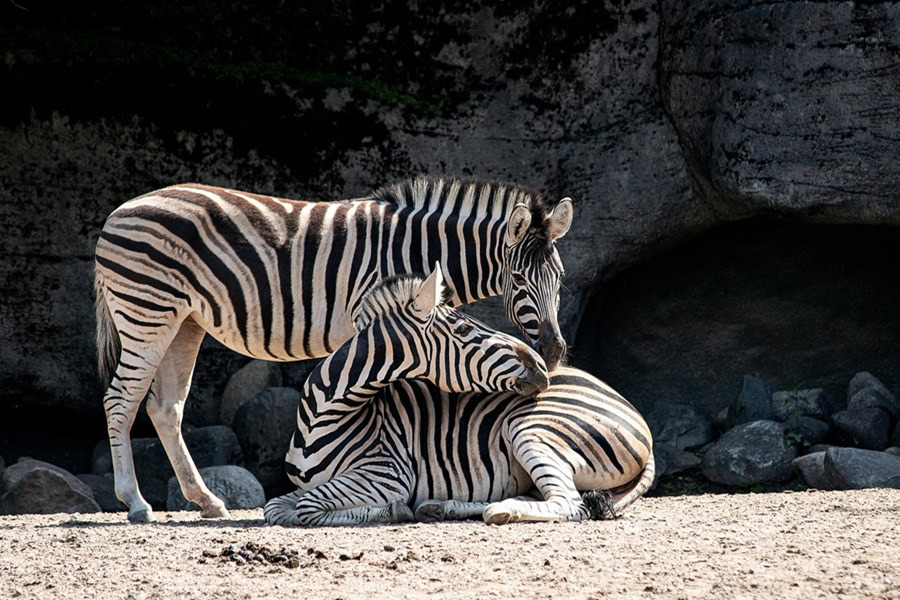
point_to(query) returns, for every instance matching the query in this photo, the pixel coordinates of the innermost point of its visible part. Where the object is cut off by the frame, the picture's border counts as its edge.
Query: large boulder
(811, 468)
(104, 490)
(802, 403)
(264, 427)
(853, 469)
(751, 453)
(866, 391)
(33, 486)
(754, 402)
(247, 382)
(866, 427)
(679, 425)
(209, 446)
(234, 485)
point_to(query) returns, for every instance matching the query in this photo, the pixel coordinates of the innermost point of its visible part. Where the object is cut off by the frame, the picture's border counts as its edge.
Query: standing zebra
(283, 280)
(405, 330)
(452, 456)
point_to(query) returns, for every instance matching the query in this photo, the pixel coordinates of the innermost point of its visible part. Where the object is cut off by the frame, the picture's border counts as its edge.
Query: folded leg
(352, 498)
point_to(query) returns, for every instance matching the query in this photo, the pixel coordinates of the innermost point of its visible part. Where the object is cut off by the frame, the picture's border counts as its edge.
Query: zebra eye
(463, 329)
(519, 279)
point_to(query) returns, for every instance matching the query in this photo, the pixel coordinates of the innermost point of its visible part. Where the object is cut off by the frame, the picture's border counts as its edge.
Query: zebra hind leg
(554, 479)
(165, 405)
(449, 510)
(126, 391)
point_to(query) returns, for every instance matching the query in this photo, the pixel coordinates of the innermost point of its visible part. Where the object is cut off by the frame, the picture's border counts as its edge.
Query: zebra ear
(561, 218)
(431, 292)
(519, 222)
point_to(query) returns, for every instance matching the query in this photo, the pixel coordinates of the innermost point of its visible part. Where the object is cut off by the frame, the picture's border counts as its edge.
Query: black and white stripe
(405, 332)
(282, 280)
(446, 456)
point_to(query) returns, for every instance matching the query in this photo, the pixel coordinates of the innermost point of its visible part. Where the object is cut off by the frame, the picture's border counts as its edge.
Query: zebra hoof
(144, 515)
(215, 511)
(429, 512)
(495, 514)
(401, 513)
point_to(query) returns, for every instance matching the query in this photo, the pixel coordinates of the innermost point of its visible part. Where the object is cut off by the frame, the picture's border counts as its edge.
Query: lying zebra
(444, 455)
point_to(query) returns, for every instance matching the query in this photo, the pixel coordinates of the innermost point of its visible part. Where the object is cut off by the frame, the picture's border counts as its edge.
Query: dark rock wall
(802, 306)
(787, 107)
(661, 119)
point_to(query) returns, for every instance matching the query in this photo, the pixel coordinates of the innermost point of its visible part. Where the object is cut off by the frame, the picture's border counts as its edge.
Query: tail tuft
(108, 344)
(599, 504)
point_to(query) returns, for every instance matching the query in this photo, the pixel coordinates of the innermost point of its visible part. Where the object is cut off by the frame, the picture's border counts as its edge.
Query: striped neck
(346, 380)
(459, 223)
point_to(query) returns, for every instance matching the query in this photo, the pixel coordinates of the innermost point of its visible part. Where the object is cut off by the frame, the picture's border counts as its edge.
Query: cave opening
(800, 305)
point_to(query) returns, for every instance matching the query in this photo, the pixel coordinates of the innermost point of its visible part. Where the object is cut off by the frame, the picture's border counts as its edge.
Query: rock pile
(767, 438)
(762, 437)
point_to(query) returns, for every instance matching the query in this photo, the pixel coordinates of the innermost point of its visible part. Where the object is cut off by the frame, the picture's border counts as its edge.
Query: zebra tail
(640, 486)
(108, 344)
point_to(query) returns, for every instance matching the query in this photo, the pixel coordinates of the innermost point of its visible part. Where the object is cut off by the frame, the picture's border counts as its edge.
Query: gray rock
(853, 469)
(264, 427)
(754, 403)
(895, 439)
(893, 450)
(209, 446)
(806, 403)
(101, 459)
(820, 448)
(867, 427)
(811, 468)
(234, 485)
(2, 468)
(721, 420)
(247, 382)
(35, 487)
(679, 425)
(811, 431)
(104, 491)
(751, 453)
(674, 459)
(866, 391)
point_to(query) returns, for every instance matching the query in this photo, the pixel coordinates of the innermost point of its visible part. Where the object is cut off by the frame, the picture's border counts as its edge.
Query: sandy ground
(776, 545)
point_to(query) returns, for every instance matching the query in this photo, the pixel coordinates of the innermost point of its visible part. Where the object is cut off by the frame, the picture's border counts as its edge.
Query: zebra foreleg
(349, 499)
(165, 405)
(449, 510)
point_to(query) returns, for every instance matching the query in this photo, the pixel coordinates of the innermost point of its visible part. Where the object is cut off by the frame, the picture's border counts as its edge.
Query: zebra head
(532, 276)
(432, 340)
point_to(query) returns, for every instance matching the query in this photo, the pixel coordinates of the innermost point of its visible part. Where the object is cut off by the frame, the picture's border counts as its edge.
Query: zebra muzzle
(535, 378)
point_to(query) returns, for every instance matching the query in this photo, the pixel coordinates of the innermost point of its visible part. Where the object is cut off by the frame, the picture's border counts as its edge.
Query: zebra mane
(420, 191)
(390, 294)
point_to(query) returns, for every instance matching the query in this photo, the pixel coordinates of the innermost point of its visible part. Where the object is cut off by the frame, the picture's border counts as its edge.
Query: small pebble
(389, 548)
